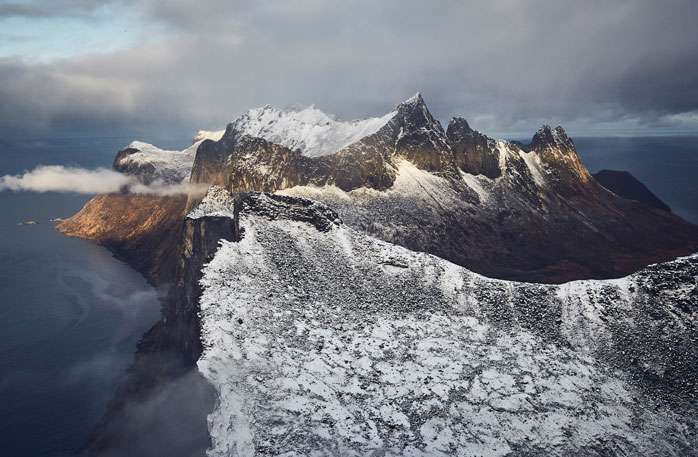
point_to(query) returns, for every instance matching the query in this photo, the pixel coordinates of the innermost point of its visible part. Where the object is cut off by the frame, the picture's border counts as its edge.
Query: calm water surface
(668, 166)
(71, 314)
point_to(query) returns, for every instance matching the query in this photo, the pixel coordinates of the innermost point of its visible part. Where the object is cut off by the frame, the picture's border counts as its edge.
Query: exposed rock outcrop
(240, 162)
(474, 152)
(562, 165)
(505, 210)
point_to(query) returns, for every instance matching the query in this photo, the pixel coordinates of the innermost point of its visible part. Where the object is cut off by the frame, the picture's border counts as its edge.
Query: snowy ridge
(310, 130)
(167, 166)
(213, 135)
(217, 202)
(151, 163)
(335, 343)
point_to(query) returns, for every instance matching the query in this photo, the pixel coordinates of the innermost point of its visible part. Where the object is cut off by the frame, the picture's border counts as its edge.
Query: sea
(71, 314)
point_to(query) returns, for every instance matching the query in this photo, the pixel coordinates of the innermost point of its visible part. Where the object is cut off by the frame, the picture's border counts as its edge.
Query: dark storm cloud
(507, 65)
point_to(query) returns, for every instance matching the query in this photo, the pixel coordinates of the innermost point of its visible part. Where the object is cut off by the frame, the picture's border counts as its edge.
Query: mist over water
(71, 314)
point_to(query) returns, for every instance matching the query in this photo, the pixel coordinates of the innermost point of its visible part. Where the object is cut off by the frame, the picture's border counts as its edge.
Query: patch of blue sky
(45, 39)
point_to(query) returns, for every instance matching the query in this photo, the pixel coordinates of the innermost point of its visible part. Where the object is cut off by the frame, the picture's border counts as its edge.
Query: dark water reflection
(70, 318)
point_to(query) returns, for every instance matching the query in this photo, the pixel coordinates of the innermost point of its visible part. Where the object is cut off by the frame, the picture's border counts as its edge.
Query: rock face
(474, 152)
(564, 170)
(144, 230)
(627, 186)
(240, 162)
(320, 340)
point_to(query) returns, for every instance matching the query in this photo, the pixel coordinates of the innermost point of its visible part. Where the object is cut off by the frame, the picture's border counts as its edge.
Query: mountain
(342, 310)
(152, 164)
(322, 340)
(627, 186)
(531, 213)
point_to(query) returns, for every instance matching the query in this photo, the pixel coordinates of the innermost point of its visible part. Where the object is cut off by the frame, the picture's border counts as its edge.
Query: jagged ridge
(502, 209)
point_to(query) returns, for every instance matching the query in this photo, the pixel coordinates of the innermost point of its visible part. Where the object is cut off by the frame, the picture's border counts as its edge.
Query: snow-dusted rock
(531, 213)
(150, 163)
(217, 202)
(309, 130)
(329, 342)
(502, 209)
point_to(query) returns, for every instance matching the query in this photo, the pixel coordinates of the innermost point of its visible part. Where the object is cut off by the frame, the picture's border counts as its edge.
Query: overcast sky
(619, 67)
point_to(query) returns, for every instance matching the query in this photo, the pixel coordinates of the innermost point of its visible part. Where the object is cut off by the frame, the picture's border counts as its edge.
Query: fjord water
(71, 314)
(668, 166)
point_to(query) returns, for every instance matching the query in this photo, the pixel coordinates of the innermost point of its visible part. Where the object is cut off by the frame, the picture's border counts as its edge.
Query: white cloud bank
(57, 178)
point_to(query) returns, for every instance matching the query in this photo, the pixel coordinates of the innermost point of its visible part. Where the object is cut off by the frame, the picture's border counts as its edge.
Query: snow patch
(476, 184)
(534, 165)
(217, 202)
(310, 130)
(202, 135)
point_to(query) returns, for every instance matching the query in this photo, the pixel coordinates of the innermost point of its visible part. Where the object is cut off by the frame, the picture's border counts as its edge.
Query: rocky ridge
(152, 164)
(296, 261)
(493, 206)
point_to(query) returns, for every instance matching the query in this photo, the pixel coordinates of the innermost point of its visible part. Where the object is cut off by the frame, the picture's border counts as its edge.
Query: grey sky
(594, 66)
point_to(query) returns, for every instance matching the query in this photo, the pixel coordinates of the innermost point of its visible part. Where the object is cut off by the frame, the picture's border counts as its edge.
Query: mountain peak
(309, 130)
(474, 152)
(459, 124)
(416, 99)
(547, 137)
(416, 115)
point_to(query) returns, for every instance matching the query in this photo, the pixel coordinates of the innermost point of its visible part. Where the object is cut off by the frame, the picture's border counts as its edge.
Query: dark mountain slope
(628, 186)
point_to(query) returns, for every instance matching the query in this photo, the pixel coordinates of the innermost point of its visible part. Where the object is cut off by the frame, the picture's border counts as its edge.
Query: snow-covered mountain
(309, 130)
(323, 341)
(499, 208)
(152, 164)
(343, 312)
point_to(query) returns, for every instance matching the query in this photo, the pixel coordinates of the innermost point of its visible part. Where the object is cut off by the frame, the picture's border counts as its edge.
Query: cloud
(508, 65)
(169, 419)
(57, 178)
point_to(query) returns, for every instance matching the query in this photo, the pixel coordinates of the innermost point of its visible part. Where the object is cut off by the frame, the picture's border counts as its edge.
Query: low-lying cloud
(57, 178)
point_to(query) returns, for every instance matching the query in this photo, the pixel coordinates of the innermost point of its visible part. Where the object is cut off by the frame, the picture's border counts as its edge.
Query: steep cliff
(144, 230)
